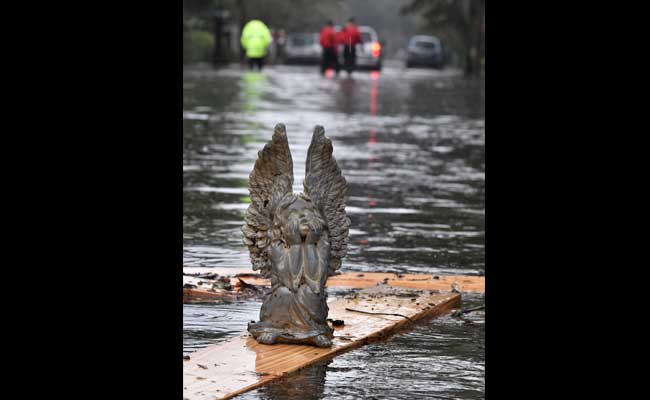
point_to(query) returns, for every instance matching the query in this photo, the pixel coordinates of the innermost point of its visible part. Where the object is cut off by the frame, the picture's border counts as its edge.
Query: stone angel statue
(296, 240)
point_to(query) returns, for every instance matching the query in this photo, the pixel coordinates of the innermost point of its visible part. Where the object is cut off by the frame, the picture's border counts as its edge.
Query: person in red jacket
(329, 43)
(350, 38)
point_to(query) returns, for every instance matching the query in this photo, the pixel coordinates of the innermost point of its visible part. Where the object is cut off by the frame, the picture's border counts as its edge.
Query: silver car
(302, 48)
(369, 52)
(424, 51)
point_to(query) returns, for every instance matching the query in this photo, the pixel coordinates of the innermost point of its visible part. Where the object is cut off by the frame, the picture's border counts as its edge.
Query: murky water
(411, 146)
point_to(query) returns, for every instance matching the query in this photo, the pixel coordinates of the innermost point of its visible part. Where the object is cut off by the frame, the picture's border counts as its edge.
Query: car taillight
(375, 48)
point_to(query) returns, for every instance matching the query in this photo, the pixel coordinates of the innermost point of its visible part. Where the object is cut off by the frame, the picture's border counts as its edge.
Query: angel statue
(296, 240)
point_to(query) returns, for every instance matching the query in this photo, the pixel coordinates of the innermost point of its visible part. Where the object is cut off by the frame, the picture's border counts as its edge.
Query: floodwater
(411, 145)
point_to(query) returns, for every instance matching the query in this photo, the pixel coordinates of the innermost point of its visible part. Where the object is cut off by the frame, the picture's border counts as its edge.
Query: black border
(96, 162)
(95, 196)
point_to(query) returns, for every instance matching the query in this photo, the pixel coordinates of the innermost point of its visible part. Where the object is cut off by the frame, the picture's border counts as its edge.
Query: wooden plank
(225, 370)
(466, 283)
(201, 295)
(463, 283)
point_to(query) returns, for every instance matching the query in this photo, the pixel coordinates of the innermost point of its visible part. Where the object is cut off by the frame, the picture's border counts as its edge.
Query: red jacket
(350, 35)
(328, 37)
(341, 37)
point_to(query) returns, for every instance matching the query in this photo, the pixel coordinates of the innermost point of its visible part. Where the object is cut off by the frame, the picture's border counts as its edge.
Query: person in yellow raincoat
(255, 39)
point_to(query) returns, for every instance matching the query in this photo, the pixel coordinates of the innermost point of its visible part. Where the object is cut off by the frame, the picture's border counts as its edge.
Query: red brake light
(375, 48)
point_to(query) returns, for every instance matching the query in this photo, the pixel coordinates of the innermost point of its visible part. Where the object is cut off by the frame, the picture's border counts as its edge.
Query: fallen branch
(459, 313)
(469, 310)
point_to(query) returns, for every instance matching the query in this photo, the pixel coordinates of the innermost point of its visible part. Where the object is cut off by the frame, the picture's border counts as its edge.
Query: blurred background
(408, 132)
(212, 28)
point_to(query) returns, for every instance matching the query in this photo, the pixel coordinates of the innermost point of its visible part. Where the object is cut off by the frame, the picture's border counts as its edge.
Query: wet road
(411, 146)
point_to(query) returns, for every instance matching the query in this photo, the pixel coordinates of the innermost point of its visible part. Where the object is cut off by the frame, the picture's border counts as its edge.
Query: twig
(468, 310)
(378, 313)
(459, 314)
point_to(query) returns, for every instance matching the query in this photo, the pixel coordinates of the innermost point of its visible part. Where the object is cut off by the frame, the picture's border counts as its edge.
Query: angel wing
(270, 180)
(326, 187)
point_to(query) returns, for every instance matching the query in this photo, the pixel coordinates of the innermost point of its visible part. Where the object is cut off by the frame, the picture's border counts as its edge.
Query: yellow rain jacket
(255, 38)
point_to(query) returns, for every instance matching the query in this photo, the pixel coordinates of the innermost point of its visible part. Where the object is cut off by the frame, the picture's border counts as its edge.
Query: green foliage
(198, 7)
(291, 15)
(197, 46)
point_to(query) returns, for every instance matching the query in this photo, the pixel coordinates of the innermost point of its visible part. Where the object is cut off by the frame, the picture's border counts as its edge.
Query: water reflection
(210, 323)
(307, 384)
(411, 146)
(252, 82)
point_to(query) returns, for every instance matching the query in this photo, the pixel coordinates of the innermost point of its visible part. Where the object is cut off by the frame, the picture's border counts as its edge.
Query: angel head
(277, 215)
(298, 220)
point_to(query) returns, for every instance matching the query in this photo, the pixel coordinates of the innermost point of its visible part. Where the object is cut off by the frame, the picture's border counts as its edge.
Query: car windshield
(365, 37)
(302, 40)
(425, 45)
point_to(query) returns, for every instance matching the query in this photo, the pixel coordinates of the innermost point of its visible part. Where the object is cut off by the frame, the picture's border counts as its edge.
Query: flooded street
(411, 144)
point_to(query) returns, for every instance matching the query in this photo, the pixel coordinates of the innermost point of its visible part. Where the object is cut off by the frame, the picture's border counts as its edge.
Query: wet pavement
(411, 144)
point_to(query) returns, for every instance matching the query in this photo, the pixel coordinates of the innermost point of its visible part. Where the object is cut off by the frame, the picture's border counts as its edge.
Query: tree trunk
(243, 18)
(474, 52)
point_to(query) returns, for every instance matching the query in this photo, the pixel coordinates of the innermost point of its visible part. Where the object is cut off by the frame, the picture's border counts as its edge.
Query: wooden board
(463, 283)
(466, 283)
(227, 369)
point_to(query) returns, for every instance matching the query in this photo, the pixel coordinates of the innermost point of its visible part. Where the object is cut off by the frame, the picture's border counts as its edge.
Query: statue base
(265, 333)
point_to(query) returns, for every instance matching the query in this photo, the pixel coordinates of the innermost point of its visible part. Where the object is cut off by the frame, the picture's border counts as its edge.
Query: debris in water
(406, 294)
(222, 283)
(202, 366)
(245, 285)
(204, 275)
(186, 357)
(458, 314)
(248, 275)
(467, 310)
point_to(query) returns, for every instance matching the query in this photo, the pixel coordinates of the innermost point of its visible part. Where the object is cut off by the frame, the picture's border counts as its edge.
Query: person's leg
(251, 63)
(346, 59)
(261, 63)
(335, 56)
(323, 62)
(329, 60)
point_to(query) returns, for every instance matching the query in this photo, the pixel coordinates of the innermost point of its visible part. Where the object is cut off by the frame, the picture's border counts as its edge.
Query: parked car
(302, 48)
(424, 51)
(369, 52)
